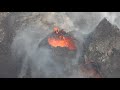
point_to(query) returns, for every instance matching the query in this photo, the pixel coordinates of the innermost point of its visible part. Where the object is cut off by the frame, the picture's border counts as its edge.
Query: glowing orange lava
(59, 40)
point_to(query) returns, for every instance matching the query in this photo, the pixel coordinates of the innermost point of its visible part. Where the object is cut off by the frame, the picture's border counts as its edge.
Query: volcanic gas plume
(44, 52)
(56, 55)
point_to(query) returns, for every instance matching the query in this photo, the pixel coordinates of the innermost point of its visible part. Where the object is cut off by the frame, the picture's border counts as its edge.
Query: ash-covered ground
(98, 53)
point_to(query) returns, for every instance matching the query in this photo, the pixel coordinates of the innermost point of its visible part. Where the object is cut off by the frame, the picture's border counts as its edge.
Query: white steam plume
(25, 46)
(35, 27)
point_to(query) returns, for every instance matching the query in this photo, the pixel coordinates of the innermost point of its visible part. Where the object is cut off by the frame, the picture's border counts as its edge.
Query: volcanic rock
(103, 47)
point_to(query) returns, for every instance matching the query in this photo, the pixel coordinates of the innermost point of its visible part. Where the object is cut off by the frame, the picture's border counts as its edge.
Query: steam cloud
(39, 60)
(87, 21)
(25, 43)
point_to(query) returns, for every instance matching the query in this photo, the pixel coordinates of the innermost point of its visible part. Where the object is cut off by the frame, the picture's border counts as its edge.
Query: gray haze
(25, 47)
(31, 27)
(28, 37)
(87, 21)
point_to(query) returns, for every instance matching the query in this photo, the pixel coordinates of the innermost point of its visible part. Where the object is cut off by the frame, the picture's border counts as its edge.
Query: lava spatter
(60, 38)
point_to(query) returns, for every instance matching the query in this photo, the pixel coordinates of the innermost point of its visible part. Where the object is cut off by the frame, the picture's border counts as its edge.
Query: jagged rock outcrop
(103, 47)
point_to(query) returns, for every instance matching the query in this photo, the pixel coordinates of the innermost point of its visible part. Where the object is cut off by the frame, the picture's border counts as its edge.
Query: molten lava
(61, 39)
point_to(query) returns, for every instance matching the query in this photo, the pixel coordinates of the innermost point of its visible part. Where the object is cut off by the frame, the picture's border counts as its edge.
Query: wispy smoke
(39, 25)
(113, 17)
(39, 60)
(87, 21)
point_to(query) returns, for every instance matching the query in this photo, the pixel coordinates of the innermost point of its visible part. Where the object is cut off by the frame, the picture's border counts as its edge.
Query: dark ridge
(105, 35)
(104, 30)
(105, 27)
(104, 21)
